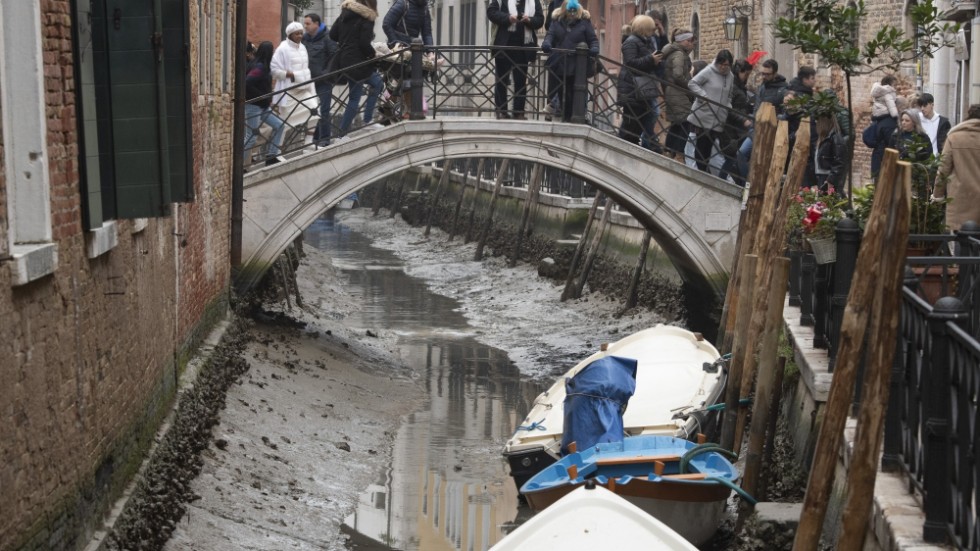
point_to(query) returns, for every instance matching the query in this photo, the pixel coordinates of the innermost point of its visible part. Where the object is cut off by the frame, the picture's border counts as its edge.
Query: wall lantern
(734, 27)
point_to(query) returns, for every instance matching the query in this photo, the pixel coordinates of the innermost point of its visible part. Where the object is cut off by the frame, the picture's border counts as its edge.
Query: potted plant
(812, 222)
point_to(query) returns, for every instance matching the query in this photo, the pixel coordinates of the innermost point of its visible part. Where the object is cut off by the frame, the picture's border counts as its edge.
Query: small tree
(830, 29)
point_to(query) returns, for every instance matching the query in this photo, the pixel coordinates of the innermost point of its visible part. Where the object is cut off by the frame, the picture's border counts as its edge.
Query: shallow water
(447, 486)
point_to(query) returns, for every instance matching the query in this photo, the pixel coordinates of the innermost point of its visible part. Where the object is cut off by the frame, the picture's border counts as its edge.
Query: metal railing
(459, 81)
(932, 427)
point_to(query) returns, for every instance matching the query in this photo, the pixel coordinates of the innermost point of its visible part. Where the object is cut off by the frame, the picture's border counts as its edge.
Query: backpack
(870, 135)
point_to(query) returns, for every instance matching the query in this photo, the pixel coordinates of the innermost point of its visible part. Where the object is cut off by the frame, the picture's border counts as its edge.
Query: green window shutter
(177, 70)
(136, 113)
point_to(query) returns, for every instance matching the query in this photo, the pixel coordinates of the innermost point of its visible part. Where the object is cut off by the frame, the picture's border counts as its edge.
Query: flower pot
(824, 249)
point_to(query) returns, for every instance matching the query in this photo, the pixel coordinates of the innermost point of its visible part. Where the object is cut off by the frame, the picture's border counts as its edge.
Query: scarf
(528, 11)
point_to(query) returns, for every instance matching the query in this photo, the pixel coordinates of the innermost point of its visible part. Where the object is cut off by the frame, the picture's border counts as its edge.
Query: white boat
(678, 374)
(590, 518)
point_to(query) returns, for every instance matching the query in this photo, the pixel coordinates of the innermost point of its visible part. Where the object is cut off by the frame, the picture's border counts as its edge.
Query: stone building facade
(947, 76)
(101, 308)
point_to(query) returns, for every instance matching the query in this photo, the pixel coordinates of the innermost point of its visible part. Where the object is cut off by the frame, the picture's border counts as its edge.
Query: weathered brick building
(115, 184)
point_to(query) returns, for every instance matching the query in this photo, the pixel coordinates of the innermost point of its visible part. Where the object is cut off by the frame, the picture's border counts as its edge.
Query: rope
(533, 426)
(721, 405)
(704, 448)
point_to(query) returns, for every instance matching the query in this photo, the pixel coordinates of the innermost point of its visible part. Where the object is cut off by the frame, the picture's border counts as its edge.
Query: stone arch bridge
(692, 216)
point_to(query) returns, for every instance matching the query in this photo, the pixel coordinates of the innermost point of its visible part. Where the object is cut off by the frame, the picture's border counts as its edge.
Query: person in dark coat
(910, 139)
(570, 25)
(640, 57)
(258, 83)
(935, 125)
(739, 121)
(829, 157)
(320, 48)
(354, 30)
(772, 90)
(677, 96)
(408, 19)
(514, 24)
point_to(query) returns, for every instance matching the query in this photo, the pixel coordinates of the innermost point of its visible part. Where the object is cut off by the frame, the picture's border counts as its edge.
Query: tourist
(297, 105)
(258, 83)
(514, 25)
(884, 118)
(640, 59)
(829, 153)
(353, 31)
(677, 97)
(320, 48)
(772, 91)
(713, 88)
(935, 125)
(570, 25)
(958, 171)
(910, 139)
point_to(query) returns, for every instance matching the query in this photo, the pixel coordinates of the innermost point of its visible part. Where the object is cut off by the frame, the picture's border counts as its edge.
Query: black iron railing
(932, 427)
(421, 83)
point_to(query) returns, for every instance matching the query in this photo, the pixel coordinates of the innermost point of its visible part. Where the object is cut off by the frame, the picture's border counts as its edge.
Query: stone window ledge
(101, 240)
(32, 261)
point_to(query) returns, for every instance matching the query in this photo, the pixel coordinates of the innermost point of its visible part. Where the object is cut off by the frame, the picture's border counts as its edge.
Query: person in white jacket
(298, 106)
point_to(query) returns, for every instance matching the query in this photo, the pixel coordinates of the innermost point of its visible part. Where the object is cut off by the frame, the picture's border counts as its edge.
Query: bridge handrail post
(848, 238)
(936, 413)
(416, 82)
(580, 90)
(891, 454)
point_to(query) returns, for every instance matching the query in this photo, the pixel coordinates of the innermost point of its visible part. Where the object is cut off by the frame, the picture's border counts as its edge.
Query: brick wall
(3, 197)
(265, 21)
(88, 355)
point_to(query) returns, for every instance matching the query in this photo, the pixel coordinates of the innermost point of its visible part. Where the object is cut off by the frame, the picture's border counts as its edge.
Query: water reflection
(447, 486)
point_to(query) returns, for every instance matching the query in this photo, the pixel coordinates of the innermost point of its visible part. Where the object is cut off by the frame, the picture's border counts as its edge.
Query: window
(439, 25)
(132, 107)
(28, 193)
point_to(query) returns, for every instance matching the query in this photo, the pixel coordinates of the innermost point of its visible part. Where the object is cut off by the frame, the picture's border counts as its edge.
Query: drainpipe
(974, 62)
(238, 136)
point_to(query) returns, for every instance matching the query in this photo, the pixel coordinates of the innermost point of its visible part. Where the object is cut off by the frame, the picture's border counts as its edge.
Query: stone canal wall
(89, 353)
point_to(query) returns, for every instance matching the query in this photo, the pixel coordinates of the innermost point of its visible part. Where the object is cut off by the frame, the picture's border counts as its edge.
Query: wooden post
(631, 293)
(488, 224)
(532, 190)
(443, 179)
(853, 327)
(398, 196)
(580, 247)
(733, 383)
(767, 375)
(462, 194)
(774, 410)
(762, 147)
(769, 246)
(468, 235)
(380, 197)
(593, 249)
(884, 330)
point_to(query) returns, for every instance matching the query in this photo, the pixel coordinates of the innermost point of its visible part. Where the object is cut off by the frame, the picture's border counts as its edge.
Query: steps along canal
(447, 486)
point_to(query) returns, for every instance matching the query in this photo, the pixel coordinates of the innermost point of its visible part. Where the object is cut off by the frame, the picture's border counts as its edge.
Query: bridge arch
(692, 216)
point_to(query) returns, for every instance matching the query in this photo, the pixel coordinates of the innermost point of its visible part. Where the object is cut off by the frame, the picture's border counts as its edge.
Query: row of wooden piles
(586, 250)
(752, 320)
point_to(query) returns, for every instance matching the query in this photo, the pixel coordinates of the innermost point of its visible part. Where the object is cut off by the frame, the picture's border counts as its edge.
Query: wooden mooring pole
(570, 279)
(886, 313)
(866, 281)
(443, 179)
(488, 223)
(462, 195)
(593, 249)
(633, 291)
(398, 196)
(529, 200)
(733, 383)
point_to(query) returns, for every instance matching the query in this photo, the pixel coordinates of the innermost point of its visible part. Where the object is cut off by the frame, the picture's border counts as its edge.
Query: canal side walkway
(897, 519)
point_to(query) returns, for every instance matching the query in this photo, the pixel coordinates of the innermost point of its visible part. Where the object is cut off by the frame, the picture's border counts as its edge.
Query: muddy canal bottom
(447, 485)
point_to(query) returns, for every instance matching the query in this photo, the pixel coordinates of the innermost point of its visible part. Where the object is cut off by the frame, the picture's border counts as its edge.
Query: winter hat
(293, 27)
(573, 5)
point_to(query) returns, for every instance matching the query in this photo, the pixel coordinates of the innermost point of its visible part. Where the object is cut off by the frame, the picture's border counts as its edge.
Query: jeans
(742, 159)
(321, 135)
(510, 63)
(637, 118)
(356, 88)
(649, 138)
(703, 146)
(255, 117)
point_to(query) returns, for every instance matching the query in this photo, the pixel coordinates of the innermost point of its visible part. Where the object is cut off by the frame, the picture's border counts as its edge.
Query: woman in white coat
(290, 66)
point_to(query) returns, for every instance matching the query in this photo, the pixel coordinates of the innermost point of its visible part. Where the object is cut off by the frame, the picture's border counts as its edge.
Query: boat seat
(686, 476)
(637, 459)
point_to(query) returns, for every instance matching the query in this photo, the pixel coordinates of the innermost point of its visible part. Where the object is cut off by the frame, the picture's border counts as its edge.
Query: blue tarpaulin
(595, 399)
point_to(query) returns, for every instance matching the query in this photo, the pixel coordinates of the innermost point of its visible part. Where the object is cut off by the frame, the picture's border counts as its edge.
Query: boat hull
(664, 354)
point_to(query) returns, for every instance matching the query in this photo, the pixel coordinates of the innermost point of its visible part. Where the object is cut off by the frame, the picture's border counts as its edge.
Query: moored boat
(591, 518)
(673, 386)
(683, 484)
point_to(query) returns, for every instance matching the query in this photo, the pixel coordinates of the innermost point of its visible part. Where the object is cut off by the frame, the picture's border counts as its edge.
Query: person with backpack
(408, 19)
(636, 87)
